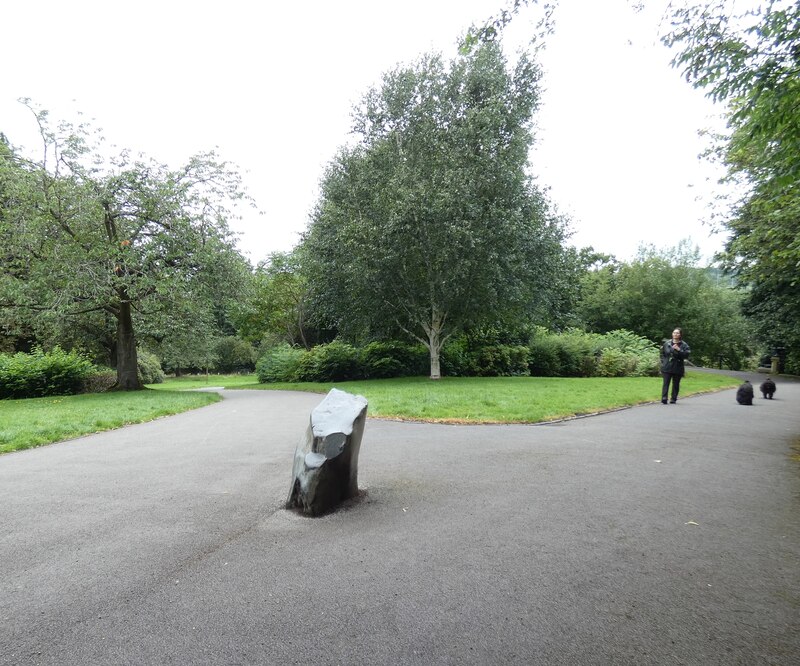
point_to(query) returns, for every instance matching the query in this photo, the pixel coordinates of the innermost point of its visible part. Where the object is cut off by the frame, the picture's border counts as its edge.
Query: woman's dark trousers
(676, 384)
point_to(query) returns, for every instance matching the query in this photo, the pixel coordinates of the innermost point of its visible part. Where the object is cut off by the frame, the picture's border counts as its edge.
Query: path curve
(659, 534)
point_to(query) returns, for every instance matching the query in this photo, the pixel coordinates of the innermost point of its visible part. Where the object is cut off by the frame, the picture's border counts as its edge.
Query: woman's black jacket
(672, 360)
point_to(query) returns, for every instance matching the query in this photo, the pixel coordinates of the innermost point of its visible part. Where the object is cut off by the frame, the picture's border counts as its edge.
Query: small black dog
(744, 394)
(767, 388)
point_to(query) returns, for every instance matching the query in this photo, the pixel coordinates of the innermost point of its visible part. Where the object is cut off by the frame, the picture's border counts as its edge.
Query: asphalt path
(652, 535)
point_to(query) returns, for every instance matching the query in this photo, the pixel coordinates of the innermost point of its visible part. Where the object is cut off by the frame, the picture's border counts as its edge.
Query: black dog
(767, 388)
(744, 394)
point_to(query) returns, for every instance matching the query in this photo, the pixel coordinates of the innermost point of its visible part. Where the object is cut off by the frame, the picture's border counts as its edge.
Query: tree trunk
(435, 340)
(127, 366)
(435, 369)
(434, 347)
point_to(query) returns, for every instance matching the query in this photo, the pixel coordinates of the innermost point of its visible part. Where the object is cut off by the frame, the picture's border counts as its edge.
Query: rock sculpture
(325, 470)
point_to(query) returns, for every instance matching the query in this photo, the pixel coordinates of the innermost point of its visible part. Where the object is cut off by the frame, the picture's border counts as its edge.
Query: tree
(275, 306)
(751, 62)
(124, 237)
(660, 290)
(430, 223)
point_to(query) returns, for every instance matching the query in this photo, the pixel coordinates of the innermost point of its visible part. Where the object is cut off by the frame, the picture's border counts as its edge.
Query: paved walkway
(654, 535)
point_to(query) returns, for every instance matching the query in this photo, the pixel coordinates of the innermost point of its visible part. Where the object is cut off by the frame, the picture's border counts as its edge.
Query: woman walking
(673, 353)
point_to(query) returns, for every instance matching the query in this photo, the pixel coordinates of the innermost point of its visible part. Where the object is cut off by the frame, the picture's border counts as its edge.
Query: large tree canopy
(430, 223)
(663, 289)
(83, 235)
(274, 308)
(751, 61)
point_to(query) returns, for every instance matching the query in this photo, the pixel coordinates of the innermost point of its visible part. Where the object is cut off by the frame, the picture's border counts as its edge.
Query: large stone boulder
(325, 470)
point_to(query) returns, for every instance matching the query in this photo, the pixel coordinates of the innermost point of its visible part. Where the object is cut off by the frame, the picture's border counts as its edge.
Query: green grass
(508, 399)
(28, 423)
(491, 399)
(202, 381)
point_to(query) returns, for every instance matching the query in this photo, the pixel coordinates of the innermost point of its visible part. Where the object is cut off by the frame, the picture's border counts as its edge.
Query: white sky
(271, 86)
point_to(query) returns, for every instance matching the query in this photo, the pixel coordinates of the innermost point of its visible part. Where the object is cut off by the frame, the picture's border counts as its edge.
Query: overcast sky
(271, 85)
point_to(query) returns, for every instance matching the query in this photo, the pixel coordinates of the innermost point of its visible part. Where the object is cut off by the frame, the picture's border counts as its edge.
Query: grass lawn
(508, 399)
(205, 381)
(487, 399)
(36, 421)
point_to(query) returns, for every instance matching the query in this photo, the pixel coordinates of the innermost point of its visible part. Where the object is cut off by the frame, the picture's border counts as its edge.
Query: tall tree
(430, 222)
(123, 236)
(663, 289)
(275, 305)
(751, 62)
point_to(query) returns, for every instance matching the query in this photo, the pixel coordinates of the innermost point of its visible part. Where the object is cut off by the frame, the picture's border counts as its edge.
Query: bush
(234, 355)
(455, 359)
(614, 363)
(792, 365)
(579, 354)
(501, 361)
(332, 362)
(280, 364)
(394, 359)
(634, 355)
(99, 382)
(544, 356)
(41, 374)
(149, 367)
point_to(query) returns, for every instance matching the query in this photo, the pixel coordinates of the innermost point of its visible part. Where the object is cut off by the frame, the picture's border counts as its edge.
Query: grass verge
(490, 399)
(509, 399)
(28, 423)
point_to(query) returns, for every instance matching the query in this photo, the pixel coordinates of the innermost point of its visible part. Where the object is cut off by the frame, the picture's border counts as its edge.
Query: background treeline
(431, 244)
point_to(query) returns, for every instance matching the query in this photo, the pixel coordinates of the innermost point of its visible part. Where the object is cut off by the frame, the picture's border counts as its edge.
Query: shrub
(41, 374)
(792, 365)
(100, 381)
(234, 355)
(149, 367)
(501, 361)
(614, 363)
(455, 359)
(280, 364)
(638, 356)
(576, 353)
(544, 357)
(394, 359)
(332, 362)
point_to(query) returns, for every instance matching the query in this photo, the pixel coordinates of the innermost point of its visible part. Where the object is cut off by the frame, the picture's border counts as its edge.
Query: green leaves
(751, 62)
(90, 237)
(429, 222)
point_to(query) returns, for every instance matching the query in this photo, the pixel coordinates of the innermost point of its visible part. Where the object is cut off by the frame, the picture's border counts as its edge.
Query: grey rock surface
(325, 470)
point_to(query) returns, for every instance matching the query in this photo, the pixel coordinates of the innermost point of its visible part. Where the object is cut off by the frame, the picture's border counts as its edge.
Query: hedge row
(42, 373)
(573, 354)
(339, 361)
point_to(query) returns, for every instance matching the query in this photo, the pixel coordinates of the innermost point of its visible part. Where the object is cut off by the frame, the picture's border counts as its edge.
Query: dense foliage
(570, 354)
(40, 373)
(661, 290)
(112, 246)
(276, 307)
(751, 62)
(430, 223)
